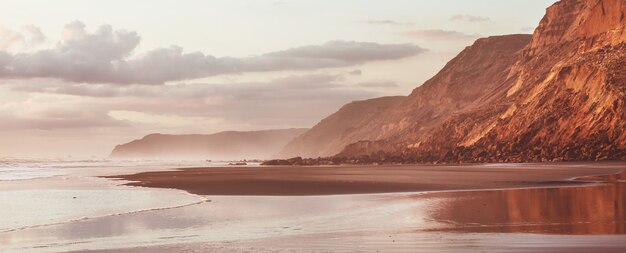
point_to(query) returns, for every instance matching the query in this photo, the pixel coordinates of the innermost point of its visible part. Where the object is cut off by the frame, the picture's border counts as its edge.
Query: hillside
(558, 95)
(333, 133)
(482, 66)
(563, 99)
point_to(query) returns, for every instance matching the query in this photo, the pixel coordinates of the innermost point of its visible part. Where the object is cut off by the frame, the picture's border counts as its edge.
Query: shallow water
(37, 193)
(29, 208)
(223, 219)
(27, 169)
(19, 169)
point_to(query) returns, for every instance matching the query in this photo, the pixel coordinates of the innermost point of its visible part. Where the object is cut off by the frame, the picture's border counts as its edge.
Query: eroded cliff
(558, 96)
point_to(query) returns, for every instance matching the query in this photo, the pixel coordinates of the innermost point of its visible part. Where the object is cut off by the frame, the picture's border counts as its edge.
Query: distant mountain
(220, 146)
(558, 95)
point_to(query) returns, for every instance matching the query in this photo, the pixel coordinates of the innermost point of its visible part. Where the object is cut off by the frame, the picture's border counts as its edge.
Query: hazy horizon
(78, 78)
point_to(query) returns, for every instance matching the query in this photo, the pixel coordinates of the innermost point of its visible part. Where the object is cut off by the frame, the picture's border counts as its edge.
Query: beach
(562, 207)
(301, 181)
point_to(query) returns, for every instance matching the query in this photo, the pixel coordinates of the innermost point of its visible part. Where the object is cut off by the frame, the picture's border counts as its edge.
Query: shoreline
(453, 206)
(461, 208)
(346, 180)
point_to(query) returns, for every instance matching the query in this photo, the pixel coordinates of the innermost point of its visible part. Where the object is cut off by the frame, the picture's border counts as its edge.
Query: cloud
(469, 18)
(8, 38)
(91, 90)
(438, 34)
(258, 89)
(28, 37)
(152, 119)
(378, 84)
(105, 56)
(347, 52)
(33, 36)
(48, 112)
(528, 29)
(386, 22)
(356, 72)
(80, 56)
(293, 100)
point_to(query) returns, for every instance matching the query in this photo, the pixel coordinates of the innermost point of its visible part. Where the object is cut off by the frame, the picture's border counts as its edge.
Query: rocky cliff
(220, 146)
(333, 133)
(564, 101)
(468, 81)
(559, 95)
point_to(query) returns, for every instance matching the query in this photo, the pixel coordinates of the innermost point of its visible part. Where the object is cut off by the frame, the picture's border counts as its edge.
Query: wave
(204, 200)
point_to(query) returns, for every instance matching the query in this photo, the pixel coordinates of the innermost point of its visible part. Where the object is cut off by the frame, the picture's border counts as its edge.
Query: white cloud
(26, 38)
(105, 56)
(9, 38)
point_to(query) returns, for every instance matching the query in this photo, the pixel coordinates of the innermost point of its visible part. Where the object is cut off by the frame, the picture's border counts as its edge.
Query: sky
(79, 77)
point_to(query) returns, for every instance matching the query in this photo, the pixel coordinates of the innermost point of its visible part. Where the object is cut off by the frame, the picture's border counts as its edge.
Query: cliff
(333, 133)
(220, 146)
(467, 81)
(564, 101)
(556, 96)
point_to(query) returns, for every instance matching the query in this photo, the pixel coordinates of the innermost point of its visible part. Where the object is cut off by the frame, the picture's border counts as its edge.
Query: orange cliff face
(559, 95)
(602, 20)
(568, 102)
(484, 66)
(336, 131)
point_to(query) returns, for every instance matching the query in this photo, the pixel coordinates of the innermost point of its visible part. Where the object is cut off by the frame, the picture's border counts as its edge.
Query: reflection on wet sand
(580, 218)
(589, 210)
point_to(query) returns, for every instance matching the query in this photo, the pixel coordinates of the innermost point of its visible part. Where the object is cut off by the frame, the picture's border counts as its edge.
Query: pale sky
(78, 77)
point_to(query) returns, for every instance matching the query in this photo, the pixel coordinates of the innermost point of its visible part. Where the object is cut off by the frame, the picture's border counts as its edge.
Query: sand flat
(303, 181)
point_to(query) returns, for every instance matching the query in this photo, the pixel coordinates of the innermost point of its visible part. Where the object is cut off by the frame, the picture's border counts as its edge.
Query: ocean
(50, 191)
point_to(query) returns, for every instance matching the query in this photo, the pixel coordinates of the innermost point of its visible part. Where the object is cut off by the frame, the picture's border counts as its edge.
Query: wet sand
(305, 181)
(598, 209)
(477, 208)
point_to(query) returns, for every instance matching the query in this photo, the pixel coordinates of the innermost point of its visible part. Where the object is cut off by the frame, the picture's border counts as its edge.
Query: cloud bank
(302, 100)
(106, 56)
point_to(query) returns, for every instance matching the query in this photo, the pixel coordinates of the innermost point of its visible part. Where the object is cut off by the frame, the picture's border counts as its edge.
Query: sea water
(22, 169)
(43, 192)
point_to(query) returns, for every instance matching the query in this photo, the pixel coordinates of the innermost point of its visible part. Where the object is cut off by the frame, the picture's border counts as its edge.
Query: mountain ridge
(227, 145)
